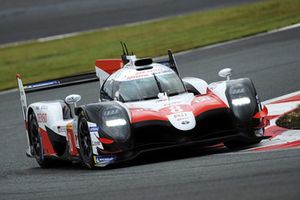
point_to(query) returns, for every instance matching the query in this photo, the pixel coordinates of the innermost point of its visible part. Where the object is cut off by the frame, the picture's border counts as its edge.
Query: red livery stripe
(138, 115)
(105, 140)
(273, 131)
(279, 146)
(71, 140)
(47, 146)
(290, 99)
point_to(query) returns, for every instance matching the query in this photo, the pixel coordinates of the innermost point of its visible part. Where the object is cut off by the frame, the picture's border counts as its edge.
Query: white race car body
(143, 106)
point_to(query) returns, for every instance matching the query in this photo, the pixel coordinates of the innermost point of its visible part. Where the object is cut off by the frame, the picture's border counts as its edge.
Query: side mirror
(73, 99)
(225, 73)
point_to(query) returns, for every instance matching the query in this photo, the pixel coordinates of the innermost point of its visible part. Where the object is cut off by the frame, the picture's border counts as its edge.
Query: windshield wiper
(157, 82)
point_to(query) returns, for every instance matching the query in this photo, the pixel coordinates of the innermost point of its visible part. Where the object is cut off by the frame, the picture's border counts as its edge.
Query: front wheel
(85, 145)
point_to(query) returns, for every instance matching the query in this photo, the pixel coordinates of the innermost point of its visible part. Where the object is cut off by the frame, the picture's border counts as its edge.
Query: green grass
(38, 61)
(290, 120)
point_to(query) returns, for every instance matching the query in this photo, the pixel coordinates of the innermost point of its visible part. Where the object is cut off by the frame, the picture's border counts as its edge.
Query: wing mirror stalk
(72, 100)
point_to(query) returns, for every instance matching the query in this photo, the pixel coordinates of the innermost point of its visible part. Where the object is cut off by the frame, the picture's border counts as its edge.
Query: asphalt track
(30, 19)
(272, 61)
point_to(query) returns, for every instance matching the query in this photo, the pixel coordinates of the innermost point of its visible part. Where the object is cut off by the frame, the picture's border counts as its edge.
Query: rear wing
(60, 82)
(49, 84)
(103, 67)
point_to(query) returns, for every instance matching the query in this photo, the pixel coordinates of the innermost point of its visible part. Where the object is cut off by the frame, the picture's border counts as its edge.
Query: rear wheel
(36, 143)
(84, 139)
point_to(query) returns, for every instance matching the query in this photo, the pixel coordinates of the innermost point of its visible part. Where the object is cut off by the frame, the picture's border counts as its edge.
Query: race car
(143, 105)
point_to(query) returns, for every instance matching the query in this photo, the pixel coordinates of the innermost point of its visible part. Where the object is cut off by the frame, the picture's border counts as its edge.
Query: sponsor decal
(44, 107)
(185, 122)
(132, 75)
(111, 112)
(103, 160)
(181, 116)
(96, 143)
(47, 83)
(42, 117)
(236, 91)
(94, 129)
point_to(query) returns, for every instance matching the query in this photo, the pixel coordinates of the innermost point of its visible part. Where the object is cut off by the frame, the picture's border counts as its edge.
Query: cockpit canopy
(130, 85)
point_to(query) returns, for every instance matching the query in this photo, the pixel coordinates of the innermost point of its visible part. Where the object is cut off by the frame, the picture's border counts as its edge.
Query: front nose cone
(183, 121)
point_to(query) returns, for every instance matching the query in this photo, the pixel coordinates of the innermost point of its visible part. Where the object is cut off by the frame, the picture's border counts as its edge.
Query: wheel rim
(84, 140)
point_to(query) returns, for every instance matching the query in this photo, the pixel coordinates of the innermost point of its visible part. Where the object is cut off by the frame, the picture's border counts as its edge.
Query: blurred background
(30, 19)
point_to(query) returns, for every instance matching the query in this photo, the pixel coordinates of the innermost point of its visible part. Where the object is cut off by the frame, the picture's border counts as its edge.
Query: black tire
(36, 143)
(236, 144)
(84, 139)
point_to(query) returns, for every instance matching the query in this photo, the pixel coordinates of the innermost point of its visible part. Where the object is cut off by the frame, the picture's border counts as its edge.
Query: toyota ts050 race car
(144, 105)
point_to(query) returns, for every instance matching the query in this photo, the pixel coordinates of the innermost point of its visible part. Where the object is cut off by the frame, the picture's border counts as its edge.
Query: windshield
(148, 88)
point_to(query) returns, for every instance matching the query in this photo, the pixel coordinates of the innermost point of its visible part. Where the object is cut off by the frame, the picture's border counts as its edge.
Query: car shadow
(173, 154)
(146, 158)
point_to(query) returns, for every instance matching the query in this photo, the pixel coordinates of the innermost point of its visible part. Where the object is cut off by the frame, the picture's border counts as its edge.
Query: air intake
(143, 62)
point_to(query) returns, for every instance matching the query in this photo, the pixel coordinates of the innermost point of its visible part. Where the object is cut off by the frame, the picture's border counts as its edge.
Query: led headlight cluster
(241, 101)
(115, 123)
(239, 97)
(110, 112)
(113, 117)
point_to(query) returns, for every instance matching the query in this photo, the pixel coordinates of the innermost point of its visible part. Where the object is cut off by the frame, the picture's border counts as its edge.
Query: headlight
(241, 101)
(240, 94)
(116, 122)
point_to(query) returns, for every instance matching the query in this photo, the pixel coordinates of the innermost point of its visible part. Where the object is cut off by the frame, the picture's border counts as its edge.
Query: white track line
(281, 97)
